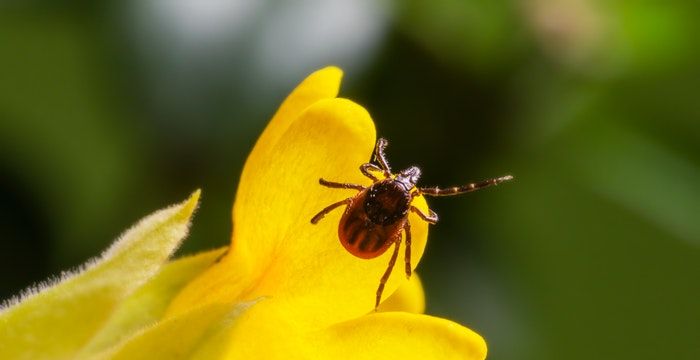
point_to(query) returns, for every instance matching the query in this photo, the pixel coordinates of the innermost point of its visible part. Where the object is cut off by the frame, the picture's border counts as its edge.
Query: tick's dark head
(409, 177)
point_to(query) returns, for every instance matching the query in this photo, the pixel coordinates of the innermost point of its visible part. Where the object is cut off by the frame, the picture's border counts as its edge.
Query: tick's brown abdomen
(374, 219)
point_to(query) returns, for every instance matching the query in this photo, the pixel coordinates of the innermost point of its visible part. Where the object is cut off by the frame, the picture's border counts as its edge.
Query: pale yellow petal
(174, 338)
(57, 320)
(147, 304)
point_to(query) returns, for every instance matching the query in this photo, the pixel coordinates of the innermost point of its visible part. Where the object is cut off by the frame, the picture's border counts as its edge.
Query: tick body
(374, 219)
(377, 215)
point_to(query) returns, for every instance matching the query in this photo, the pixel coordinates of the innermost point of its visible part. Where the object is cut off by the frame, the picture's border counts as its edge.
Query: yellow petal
(409, 297)
(276, 251)
(398, 336)
(320, 85)
(300, 261)
(147, 304)
(56, 321)
(224, 281)
(267, 331)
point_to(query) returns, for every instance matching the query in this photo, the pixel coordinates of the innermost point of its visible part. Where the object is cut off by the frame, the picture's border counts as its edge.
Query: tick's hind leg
(385, 277)
(337, 185)
(328, 209)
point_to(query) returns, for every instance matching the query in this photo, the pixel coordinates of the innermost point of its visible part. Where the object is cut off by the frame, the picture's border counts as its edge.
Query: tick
(375, 217)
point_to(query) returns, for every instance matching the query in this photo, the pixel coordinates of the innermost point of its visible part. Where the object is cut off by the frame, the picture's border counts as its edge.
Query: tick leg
(432, 218)
(380, 157)
(336, 185)
(328, 209)
(385, 277)
(464, 188)
(367, 167)
(407, 257)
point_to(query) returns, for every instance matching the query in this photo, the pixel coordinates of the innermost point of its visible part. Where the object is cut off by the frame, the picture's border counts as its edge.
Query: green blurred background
(112, 109)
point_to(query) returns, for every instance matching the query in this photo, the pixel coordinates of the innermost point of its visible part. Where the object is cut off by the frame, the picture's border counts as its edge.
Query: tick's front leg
(328, 209)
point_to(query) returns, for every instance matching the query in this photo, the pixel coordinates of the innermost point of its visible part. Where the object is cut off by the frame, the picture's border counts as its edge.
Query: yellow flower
(285, 288)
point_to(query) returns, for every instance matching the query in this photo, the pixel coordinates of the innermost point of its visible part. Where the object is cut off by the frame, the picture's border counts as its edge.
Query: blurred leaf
(653, 36)
(645, 178)
(480, 35)
(61, 133)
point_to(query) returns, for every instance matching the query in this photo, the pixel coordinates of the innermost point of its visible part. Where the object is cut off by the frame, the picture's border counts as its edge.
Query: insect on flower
(374, 217)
